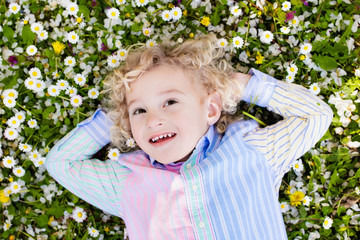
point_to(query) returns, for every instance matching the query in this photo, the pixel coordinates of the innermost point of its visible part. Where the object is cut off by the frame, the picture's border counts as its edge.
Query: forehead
(163, 78)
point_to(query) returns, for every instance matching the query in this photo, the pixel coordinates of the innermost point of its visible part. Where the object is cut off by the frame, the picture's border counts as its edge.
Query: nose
(154, 119)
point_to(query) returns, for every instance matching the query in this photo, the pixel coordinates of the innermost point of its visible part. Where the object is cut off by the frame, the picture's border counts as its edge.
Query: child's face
(169, 113)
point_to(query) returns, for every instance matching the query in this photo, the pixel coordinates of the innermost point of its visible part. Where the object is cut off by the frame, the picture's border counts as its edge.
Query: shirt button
(201, 224)
(194, 187)
(188, 166)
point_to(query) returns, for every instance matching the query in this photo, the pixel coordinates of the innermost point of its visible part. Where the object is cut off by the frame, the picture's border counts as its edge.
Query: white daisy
(13, 122)
(176, 13)
(55, 75)
(357, 190)
(266, 37)
(39, 161)
(121, 2)
(286, 6)
(294, 22)
(30, 83)
(307, 200)
(76, 100)
(130, 143)
(32, 123)
(118, 43)
(35, 73)
(141, 3)
(112, 13)
(150, 43)
(7, 223)
(284, 206)
(19, 171)
(25, 147)
(14, 8)
(39, 85)
(72, 37)
(314, 88)
(222, 42)
(7, 191)
(72, 8)
(33, 155)
(80, 79)
(166, 15)
(327, 223)
(11, 133)
(357, 72)
(236, 11)
(237, 42)
(147, 31)
(78, 214)
(62, 84)
(15, 187)
(93, 232)
(9, 102)
(70, 61)
(292, 69)
(20, 116)
(53, 90)
(305, 48)
(285, 30)
(113, 61)
(298, 166)
(71, 91)
(11, 93)
(43, 35)
(36, 27)
(31, 50)
(93, 93)
(122, 53)
(113, 154)
(9, 162)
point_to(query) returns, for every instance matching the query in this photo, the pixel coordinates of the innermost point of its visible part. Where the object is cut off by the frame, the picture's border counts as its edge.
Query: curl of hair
(200, 58)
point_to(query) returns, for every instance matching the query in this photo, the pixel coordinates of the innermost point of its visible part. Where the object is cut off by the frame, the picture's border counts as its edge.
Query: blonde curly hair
(199, 57)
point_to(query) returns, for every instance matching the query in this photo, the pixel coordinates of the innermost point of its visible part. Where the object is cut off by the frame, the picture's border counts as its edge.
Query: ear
(214, 108)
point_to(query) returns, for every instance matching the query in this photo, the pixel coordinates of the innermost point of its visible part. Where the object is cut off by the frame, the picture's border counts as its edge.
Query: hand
(242, 78)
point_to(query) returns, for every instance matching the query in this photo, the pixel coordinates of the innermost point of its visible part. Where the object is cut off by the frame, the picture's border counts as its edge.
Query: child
(199, 174)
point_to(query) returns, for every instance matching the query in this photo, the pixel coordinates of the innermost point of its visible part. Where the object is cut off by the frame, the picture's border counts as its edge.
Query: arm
(97, 182)
(306, 119)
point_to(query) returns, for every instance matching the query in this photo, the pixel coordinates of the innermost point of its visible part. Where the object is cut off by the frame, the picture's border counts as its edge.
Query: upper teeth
(162, 136)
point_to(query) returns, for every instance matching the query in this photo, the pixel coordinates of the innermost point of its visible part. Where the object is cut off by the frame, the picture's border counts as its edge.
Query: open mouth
(162, 138)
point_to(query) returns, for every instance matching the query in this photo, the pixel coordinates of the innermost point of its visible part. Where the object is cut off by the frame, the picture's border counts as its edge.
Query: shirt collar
(206, 144)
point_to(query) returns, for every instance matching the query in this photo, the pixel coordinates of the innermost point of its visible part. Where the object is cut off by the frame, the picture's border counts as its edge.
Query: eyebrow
(174, 90)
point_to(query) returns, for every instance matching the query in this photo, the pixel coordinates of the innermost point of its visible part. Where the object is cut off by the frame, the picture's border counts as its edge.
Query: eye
(170, 102)
(139, 111)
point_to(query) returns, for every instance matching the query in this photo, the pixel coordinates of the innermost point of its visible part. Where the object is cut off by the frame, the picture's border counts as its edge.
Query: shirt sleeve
(70, 163)
(306, 119)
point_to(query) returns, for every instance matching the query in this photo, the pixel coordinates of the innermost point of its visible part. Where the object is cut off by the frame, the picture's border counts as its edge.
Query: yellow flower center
(122, 54)
(326, 222)
(11, 94)
(14, 122)
(267, 35)
(113, 14)
(79, 214)
(236, 10)
(306, 48)
(293, 21)
(151, 44)
(31, 50)
(142, 1)
(70, 62)
(25, 147)
(76, 100)
(34, 74)
(93, 93)
(9, 161)
(147, 32)
(222, 44)
(41, 162)
(79, 19)
(315, 88)
(292, 69)
(42, 34)
(73, 37)
(167, 15)
(18, 171)
(79, 79)
(38, 85)
(16, 186)
(302, 57)
(114, 154)
(237, 42)
(296, 165)
(37, 28)
(53, 90)
(71, 91)
(11, 133)
(26, 21)
(72, 9)
(14, 8)
(175, 13)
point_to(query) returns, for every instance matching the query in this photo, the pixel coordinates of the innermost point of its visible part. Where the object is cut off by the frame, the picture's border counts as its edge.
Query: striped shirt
(227, 189)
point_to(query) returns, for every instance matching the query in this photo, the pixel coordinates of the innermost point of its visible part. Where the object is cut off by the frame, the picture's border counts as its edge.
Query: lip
(162, 138)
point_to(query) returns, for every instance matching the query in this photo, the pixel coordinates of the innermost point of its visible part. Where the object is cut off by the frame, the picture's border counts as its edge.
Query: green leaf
(28, 36)
(35, 7)
(42, 220)
(9, 82)
(8, 32)
(325, 62)
(83, 10)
